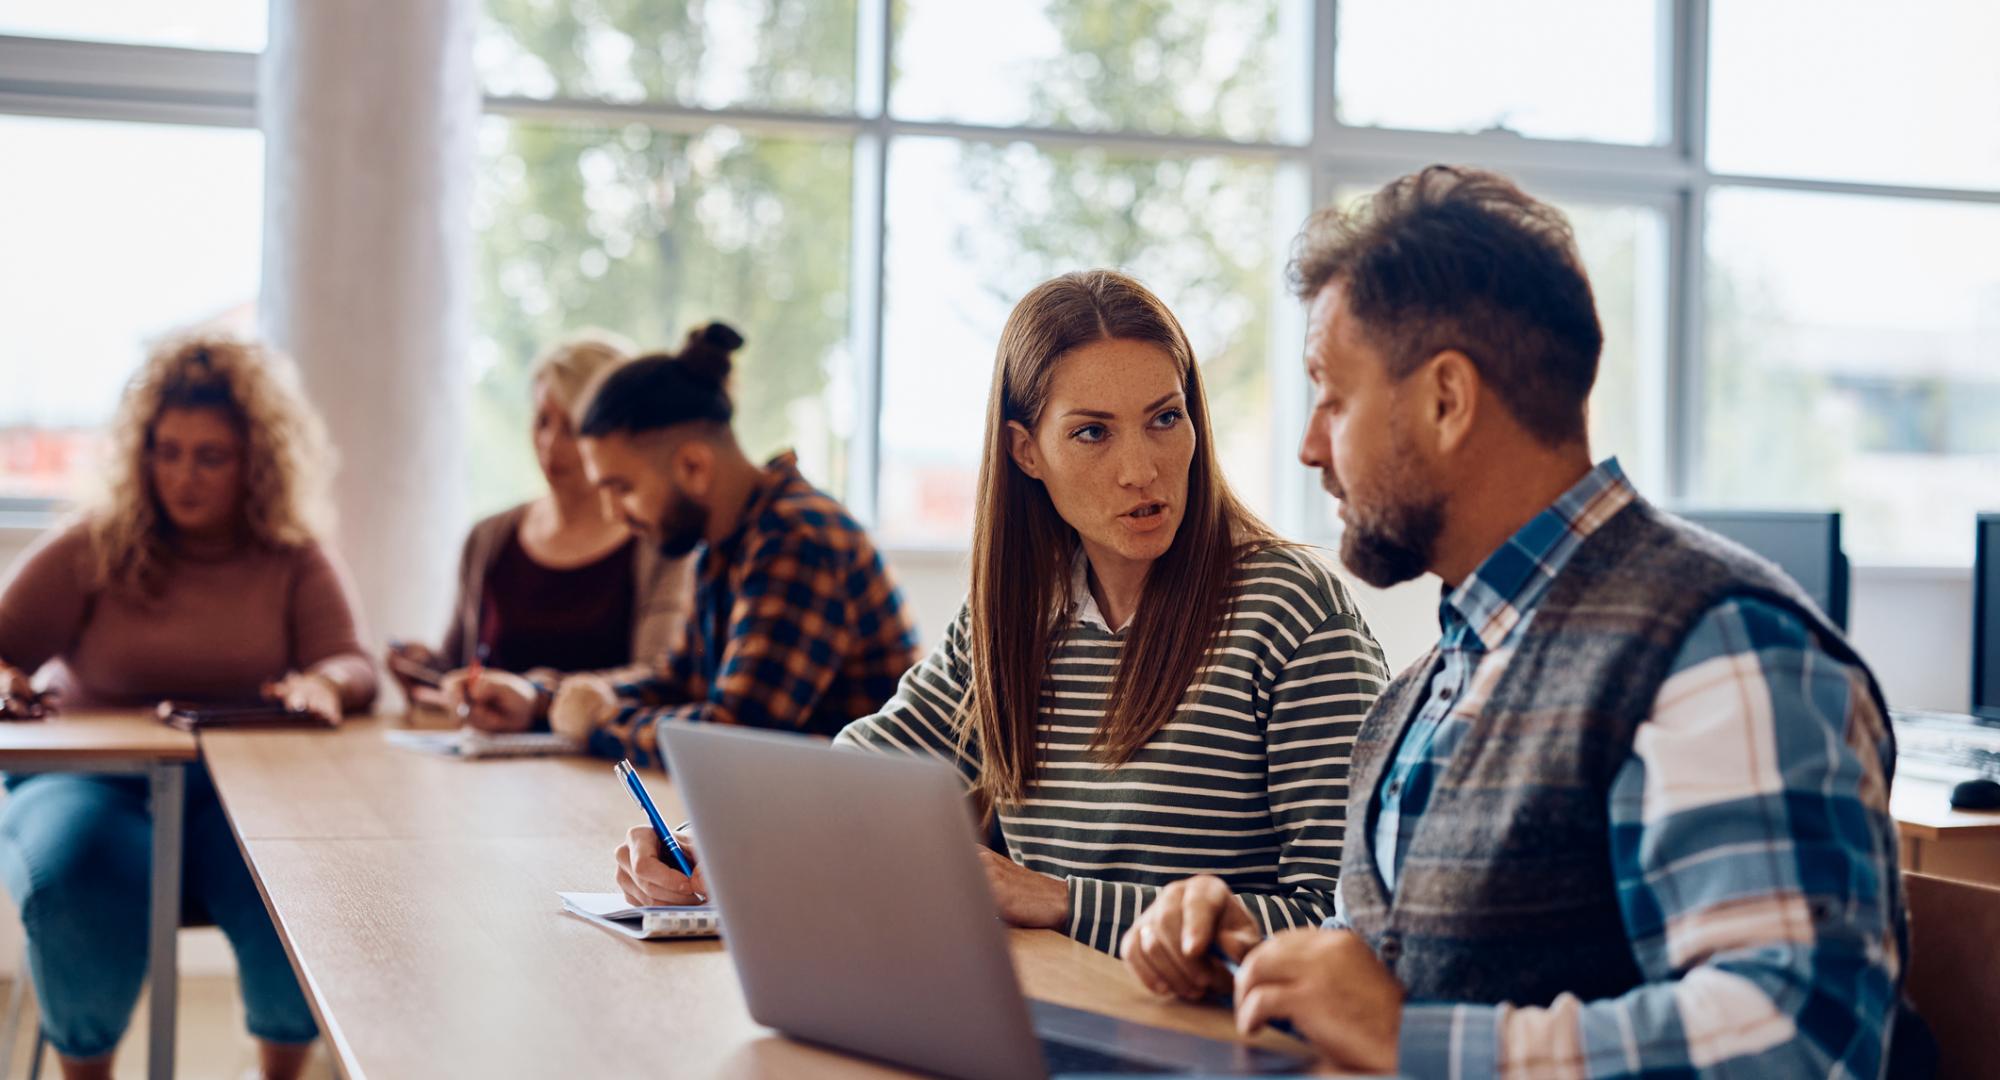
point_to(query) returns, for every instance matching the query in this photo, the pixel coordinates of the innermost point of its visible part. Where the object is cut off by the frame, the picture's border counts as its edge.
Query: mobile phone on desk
(191, 717)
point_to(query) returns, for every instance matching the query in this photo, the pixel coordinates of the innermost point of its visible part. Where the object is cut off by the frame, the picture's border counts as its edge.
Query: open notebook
(610, 911)
(473, 743)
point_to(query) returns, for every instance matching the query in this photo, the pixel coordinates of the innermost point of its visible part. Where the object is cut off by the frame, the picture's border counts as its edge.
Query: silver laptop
(858, 917)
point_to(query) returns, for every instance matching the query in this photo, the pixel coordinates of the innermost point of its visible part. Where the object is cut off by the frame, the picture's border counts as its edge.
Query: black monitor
(1804, 544)
(1986, 618)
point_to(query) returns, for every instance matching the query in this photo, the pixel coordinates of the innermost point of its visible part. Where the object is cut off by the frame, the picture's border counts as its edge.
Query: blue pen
(667, 842)
(1235, 971)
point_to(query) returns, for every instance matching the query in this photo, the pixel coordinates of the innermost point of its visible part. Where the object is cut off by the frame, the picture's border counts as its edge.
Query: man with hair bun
(796, 624)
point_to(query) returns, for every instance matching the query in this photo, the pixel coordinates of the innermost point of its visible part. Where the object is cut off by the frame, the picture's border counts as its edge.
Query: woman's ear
(1021, 447)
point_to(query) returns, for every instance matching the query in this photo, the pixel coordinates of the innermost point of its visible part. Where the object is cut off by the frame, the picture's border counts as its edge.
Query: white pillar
(369, 110)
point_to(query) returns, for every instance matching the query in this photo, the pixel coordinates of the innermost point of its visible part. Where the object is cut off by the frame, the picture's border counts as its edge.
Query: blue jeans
(76, 854)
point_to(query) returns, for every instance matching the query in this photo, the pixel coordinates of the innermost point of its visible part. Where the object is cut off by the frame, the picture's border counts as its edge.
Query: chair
(1952, 978)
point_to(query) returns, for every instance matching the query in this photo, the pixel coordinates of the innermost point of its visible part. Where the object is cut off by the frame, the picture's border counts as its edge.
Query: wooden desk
(135, 743)
(353, 784)
(1943, 842)
(427, 933)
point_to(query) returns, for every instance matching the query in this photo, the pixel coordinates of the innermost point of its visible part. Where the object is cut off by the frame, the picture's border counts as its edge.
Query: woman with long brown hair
(199, 577)
(1145, 683)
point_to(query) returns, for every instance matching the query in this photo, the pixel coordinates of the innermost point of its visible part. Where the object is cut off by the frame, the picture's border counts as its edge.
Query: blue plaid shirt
(1751, 837)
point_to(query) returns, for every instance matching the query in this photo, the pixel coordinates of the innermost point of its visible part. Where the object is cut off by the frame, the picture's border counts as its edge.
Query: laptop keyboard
(1065, 1057)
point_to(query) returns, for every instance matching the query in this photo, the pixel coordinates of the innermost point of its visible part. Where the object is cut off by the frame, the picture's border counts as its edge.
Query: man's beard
(1393, 545)
(682, 527)
(1389, 544)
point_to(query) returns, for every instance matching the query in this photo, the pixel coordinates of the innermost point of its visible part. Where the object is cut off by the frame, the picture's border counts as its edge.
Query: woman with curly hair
(198, 577)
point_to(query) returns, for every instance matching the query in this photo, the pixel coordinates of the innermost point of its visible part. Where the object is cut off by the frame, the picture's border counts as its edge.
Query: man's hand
(583, 704)
(1335, 992)
(1167, 949)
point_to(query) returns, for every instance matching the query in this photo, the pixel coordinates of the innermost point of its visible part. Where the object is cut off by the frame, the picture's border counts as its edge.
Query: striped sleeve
(923, 716)
(1317, 705)
(1317, 701)
(1756, 861)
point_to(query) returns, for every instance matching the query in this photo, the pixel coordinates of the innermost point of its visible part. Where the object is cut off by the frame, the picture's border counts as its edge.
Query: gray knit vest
(1506, 892)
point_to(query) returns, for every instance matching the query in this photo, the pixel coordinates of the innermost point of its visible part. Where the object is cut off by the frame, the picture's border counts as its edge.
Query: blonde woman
(1144, 679)
(559, 584)
(199, 577)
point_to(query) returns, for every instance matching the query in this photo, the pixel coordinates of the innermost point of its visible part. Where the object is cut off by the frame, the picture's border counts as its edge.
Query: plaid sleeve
(787, 633)
(1756, 863)
(629, 735)
(923, 718)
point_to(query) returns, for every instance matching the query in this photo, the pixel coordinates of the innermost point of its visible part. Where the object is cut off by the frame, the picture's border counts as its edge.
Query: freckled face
(1113, 447)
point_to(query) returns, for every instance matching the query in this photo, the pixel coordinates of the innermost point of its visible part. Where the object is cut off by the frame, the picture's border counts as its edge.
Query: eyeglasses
(205, 458)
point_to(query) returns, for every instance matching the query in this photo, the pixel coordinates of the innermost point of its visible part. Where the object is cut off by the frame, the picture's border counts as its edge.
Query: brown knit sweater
(219, 629)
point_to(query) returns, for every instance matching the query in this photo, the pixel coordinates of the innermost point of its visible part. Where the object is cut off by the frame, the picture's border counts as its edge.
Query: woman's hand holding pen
(491, 700)
(646, 880)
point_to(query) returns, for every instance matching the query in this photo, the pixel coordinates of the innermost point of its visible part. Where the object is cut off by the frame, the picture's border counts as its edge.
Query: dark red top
(575, 619)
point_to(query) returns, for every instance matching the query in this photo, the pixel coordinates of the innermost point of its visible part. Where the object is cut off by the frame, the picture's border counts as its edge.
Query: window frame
(108, 81)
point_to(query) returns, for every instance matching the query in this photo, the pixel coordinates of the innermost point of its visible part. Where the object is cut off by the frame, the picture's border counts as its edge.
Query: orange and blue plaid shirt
(797, 625)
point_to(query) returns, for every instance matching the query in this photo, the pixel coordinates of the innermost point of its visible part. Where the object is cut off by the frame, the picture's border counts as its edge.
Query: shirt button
(1445, 694)
(1395, 788)
(1390, 949)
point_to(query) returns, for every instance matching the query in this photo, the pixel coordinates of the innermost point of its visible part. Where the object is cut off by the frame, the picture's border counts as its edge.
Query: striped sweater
(1248, 781)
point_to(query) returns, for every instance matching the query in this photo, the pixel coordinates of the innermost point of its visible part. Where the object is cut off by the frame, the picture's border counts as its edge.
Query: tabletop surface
(417, 896)
(1922, 808)
(351, 783)
(108, 736)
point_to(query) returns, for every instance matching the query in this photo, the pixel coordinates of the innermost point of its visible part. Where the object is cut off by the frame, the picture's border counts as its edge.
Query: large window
(1231, 69)
(649, 232)
(1791, 258)
(1857, 90)
(232, 25)
(790, 54)
(1852, 348)
(95, 267)
(1518, 67)
(1854, 361)
(1779, 328)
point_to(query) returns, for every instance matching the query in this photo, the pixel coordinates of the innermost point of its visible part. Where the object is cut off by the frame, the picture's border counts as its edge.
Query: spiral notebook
(610, 911)
(472, 743)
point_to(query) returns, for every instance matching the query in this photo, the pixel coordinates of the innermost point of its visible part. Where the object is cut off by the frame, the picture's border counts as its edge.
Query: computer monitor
(1804, 544)
(1986, 618)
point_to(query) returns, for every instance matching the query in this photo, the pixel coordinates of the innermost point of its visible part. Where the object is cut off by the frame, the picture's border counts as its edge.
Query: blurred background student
(201, 576)
(559, 584)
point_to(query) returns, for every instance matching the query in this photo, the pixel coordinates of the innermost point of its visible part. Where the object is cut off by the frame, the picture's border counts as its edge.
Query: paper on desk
(472, 743)
(611, 905)
(610, 911)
